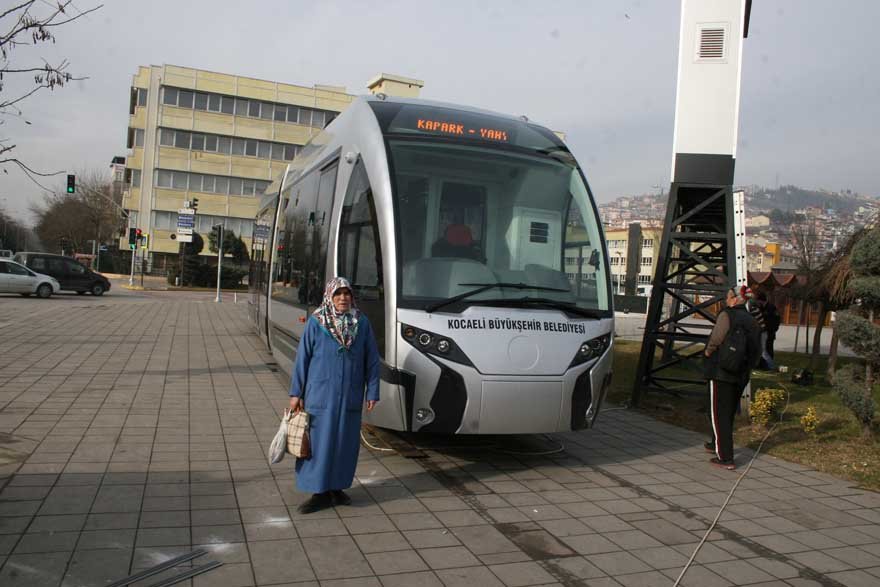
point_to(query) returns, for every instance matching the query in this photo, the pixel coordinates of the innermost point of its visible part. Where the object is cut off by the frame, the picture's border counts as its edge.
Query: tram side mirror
(594, 259)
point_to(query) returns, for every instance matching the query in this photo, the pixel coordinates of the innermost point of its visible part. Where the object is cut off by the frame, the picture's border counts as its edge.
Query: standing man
(755, 306)
(732, 352)
(772, 319)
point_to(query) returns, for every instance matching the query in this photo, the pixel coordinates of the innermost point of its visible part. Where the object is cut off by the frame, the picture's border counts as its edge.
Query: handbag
(298, 443)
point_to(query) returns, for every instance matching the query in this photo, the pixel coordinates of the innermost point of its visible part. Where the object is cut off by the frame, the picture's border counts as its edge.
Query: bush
(765, 407)
(172, 276)
(810, 420)
(849, 383)
(859, 334)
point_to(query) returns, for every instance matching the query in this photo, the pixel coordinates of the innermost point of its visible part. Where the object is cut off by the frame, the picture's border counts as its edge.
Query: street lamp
(620, 256)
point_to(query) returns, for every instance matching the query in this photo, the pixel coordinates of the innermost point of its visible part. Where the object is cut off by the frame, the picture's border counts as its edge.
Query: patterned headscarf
(343, 327)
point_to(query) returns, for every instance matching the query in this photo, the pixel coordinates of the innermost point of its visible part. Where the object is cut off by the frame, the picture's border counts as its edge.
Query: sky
(603, 72)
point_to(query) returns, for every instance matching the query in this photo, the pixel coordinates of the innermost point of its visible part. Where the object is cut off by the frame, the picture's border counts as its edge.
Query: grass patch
(836, 447)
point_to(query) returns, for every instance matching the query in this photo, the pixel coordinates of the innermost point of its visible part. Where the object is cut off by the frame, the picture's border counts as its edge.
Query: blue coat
(334, 380)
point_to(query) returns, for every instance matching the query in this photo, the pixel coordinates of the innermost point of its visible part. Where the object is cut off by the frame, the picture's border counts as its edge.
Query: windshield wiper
(570, 307)
(485, 287)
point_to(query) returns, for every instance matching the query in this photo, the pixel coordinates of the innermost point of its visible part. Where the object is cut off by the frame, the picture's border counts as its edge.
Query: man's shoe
(729, 465)
(316, 502)
(710, 447)
(340, 497)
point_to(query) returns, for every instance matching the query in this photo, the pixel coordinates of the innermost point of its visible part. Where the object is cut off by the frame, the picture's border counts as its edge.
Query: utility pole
(219, 259)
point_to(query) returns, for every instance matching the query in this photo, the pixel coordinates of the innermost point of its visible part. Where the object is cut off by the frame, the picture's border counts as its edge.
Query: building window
(135, 178)
(243, 107)
(135, 137)
(647, 260)
(164, 220)
(647, 243)
(182, 139)
(644, 279)
(141, 97)
(212, 184)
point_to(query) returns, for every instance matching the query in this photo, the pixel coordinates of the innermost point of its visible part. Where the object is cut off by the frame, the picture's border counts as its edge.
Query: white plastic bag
(279, 443)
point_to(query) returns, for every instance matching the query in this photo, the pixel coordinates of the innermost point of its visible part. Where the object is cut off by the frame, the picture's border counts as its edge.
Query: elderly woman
(336, 361)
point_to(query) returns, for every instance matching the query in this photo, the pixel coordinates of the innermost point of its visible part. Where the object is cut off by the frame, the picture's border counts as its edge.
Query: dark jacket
(727, 321)
(772, 318)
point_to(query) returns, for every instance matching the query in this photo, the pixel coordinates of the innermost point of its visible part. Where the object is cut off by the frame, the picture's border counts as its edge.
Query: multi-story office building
(216, 137)
(618, 248)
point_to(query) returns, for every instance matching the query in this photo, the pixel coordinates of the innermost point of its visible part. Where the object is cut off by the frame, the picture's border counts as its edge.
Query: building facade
(217, 137)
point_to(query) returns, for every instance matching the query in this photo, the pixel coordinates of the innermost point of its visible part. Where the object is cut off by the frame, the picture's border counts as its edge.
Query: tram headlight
(434, 344)
(591, 349)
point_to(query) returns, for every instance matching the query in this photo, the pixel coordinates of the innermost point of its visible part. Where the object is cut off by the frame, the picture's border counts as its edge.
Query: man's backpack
(733, 352)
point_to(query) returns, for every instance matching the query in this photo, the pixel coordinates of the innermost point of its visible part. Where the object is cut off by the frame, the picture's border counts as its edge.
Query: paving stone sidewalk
(135, 430)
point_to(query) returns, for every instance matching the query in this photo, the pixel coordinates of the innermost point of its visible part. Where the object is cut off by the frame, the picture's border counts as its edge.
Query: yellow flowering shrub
(765, 406)
(810, 420)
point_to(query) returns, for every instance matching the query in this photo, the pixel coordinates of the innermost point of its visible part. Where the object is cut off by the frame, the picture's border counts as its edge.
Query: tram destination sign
(463, 125)
(461, 129)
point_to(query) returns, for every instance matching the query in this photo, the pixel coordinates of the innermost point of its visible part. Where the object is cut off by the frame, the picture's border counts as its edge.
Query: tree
(14, 235)
(91, 214)
(193, 272)
(28, 24)
(857, 330)
(834, 280)
(232, 245)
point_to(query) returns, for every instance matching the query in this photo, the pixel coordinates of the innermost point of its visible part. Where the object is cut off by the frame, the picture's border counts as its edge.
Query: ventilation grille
(712, 43)
(539, 232)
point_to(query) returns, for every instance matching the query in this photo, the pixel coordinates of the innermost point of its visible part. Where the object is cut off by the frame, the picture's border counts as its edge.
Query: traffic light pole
(219, 262)
(133, 256)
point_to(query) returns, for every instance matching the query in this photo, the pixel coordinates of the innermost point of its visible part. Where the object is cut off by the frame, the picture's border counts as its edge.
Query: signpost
(186, 222)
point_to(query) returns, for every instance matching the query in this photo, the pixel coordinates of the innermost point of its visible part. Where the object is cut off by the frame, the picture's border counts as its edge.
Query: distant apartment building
(769, 256)
(217, 137)
(618, 246)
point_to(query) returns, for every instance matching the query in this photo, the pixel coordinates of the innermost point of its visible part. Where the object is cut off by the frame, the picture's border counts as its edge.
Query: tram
(474, 247)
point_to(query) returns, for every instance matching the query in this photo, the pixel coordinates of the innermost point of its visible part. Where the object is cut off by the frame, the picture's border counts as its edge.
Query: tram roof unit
(360, 119)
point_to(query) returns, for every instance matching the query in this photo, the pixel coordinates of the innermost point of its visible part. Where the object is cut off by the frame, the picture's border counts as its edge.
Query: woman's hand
(295, 404)
(371, 403)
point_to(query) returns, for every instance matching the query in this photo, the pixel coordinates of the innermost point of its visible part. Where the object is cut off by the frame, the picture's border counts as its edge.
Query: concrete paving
(134, 429)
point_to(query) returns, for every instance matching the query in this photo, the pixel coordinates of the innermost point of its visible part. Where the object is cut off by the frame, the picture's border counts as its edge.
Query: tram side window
(360, 257)
(413, 210)
(321, 227)
(304, 277)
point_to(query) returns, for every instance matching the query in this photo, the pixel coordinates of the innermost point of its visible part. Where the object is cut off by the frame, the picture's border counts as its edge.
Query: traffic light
(132, 237)
(71, 183)
(195, 204)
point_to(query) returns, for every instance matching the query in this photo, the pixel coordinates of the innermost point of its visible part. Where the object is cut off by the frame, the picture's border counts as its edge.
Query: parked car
(5, 254)
(70, 274)
(16, 278)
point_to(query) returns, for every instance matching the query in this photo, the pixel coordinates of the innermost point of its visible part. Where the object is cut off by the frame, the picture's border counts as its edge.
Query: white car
(16, 278)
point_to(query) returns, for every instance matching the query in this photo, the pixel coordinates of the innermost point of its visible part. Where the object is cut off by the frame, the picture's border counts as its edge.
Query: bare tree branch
(27, 27)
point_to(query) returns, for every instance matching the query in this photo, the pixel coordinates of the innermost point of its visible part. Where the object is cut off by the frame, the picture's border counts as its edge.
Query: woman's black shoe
(340, 497)
(316, 502)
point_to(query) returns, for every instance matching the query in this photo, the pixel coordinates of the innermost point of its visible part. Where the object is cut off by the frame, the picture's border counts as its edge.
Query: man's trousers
(723, 401)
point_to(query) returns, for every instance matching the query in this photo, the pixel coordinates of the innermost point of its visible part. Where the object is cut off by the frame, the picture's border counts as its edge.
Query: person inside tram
(457, 241)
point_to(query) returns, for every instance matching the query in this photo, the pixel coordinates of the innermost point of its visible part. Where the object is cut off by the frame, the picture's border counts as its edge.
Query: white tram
(474, 247)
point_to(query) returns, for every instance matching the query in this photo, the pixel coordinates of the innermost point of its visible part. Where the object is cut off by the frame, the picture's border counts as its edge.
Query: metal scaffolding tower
(702, 248)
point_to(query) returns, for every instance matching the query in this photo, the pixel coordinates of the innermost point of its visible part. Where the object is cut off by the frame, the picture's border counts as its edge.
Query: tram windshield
(471, 214)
